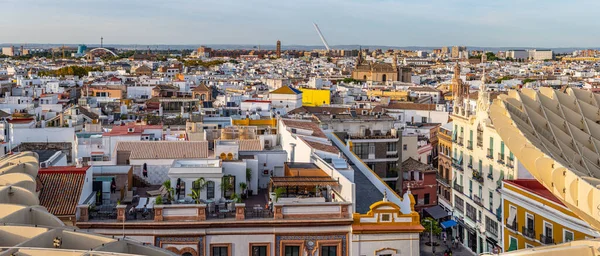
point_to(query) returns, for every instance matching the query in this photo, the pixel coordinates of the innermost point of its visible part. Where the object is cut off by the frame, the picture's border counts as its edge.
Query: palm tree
(248, 177)
(197, 187)
(226, 185)
(243, 187)
(167, 185)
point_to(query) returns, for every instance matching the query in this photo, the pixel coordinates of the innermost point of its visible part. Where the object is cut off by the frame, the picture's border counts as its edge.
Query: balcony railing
(490, 176)
(528, 232)
(477, 200)
(458, 187)
(510, 162)
(477, 176)
(512, 225)
(470, 145)
(460, 141)
(442, 180)
(500, 158)
(490, 153)
(546, 239)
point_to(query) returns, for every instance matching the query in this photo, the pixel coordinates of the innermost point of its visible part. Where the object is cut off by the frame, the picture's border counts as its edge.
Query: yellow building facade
(534, 217)
(315, 97)
(393, 95)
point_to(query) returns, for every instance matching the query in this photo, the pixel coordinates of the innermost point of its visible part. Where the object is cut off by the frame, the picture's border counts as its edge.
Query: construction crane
(322, 37)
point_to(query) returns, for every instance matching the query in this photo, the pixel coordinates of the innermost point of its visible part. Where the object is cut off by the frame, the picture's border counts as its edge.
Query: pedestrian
(113, 186)
(444, 238)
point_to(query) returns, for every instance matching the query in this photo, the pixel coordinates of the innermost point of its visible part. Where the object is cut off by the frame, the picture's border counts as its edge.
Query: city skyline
(384, 22)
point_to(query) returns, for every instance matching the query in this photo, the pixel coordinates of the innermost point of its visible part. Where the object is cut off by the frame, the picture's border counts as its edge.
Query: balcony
(457, 164)
(546, 239)
(528, 232)
(470, 145)
(490, 176)
(510, 162)
(477, 199)
(458, 187)
(460, 141)
(490, 153)
(512, 226)
(477, 177)
(500, 158)
(440, 179)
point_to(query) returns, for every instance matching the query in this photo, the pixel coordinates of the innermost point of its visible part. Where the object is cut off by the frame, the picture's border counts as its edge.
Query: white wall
(237, 169)
(367, 244)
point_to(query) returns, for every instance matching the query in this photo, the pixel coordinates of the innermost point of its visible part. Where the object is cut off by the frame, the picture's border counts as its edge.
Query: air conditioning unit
(43, 165)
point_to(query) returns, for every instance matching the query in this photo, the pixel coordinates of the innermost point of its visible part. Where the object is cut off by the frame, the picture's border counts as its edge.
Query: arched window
(210, 189)
(365, 77)
(384, 78)
(203, 97)
(223, 156)
(229, 156)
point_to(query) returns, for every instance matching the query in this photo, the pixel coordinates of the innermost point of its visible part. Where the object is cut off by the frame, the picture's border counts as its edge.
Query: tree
(243, 187)
(248, 177)
(197, 186)
(278, 192)
(427, 224)
(226, 185)
(170, 190)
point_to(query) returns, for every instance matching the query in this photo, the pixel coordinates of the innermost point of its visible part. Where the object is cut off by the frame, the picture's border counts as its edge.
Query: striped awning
(302, 181)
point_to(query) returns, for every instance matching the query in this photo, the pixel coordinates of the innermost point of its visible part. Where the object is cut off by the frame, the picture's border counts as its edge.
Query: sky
(491, 23)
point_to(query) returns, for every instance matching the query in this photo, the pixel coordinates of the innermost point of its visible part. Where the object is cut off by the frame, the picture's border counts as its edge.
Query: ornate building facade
(381, 72)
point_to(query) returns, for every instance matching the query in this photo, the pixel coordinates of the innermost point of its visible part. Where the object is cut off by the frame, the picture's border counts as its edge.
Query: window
(480, 166)
(328, 251)
(391, 146)
(404, 147)
(361, 150)
(459, 203)
(529, 221)
(416, 199)
(385, 217)
(491, 146)
(568, 236)
(292, 250)
(424, 119)
(371, 148)
(426, 199)
(491, 226)
(479, 136)
(259, 249)
(527, 246)
(220, 250)
(491, 200)
(210, 189)
(471, 212)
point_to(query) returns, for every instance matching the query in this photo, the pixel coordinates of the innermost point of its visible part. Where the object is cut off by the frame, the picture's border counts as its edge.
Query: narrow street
(425, 250)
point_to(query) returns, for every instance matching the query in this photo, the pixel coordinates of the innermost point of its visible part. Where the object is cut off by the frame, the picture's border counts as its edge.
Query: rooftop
(164, 149)
(535, 187)
(60, 188)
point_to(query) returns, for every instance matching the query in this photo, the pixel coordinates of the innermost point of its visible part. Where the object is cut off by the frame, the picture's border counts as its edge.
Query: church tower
(460, 90)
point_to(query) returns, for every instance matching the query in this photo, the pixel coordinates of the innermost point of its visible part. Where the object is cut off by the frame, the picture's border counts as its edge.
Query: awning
(491, 241)
(437, 212)
(448, 224)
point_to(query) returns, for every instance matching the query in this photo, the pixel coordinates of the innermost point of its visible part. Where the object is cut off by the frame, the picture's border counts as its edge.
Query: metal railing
(458, 188)
(512, 225)
(528, 232)
(546, 239)
(477, 200)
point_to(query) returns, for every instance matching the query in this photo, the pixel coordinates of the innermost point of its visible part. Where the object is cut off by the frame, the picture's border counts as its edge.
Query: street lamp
(430, 235)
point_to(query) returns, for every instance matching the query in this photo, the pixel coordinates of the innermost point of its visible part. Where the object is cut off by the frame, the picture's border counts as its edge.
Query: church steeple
(359, 59)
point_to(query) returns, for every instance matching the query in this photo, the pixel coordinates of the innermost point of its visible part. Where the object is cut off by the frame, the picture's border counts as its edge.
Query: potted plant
(197, 186)
(236, 198)
(278, 192)
(226, 185)
(167, 185)
(159, 200)
(243, 187)
(248, 178)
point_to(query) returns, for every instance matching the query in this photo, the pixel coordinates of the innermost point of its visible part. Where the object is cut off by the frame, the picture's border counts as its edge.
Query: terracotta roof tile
(250, 145)
(61, 189)
(164, 149)
(321, 146)
(410, 106)
(305, 125)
